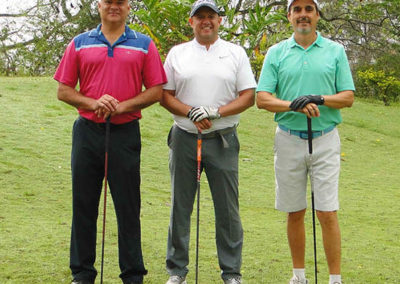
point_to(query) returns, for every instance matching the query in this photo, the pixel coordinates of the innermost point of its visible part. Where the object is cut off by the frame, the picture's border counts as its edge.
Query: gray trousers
(221, 168)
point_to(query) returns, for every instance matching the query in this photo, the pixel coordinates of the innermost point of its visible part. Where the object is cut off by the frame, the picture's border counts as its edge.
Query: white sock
(335, 278)
(300, 273)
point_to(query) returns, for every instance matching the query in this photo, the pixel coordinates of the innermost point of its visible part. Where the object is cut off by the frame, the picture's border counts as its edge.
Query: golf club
(199, 142)
(107, 141)
(310, 150)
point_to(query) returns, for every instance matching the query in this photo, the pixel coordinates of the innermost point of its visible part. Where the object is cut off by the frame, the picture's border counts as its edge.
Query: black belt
(102, 125)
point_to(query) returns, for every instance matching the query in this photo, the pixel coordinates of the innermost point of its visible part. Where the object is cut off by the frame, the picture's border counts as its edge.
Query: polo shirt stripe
(133, 48)
(90, 46)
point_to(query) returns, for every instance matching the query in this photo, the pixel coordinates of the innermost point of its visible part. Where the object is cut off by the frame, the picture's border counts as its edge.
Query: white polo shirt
(212, 77)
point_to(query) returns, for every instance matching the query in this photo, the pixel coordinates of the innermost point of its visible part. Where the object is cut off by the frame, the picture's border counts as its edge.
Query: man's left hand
(197, 114)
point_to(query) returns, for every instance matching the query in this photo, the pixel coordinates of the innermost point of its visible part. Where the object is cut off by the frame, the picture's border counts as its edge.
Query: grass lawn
(35, 195)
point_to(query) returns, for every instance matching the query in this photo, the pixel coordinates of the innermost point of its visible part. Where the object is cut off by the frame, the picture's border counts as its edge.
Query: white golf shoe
(234, 280)
(296, 280)
(175, 279)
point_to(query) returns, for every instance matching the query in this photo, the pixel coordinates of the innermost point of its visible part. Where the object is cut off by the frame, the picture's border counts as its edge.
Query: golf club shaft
(107, 142)
(315, 241)
(199, 142)
(310, 150)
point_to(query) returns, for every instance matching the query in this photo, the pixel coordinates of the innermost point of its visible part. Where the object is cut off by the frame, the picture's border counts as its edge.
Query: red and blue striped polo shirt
(119, 70)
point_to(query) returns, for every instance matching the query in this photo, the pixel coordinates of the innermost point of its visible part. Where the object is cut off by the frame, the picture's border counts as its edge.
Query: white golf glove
(199, 113)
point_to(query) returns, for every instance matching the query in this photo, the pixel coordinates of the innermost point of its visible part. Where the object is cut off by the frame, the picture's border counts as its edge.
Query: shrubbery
(381, 80)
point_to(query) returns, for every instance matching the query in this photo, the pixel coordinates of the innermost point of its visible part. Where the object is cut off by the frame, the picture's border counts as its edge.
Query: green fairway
(35, 195)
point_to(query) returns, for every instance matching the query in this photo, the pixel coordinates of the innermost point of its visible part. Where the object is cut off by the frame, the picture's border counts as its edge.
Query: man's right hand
(105, 106)
(106, 103)
(203, 124)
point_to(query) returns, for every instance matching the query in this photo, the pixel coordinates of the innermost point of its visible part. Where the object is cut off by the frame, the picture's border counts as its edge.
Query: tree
(51, 24)
(164, 21)
(367, 28)
(370, 30)
(245, 22)
(36, 46)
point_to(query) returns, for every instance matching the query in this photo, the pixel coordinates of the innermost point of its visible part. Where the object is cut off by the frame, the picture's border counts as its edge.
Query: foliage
(53, 23)
(166, 22)
(370, 32)
(365, 27)
(35, 195)
(381, 79)
(37, 47)
(256, 28)
(379, 84)
(368, 29)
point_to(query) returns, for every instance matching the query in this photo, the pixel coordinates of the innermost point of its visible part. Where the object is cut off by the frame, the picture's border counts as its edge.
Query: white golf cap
(290, 2)
(204, 3)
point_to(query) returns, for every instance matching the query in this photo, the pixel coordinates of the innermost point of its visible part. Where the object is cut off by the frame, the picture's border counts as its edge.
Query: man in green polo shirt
(304, 76)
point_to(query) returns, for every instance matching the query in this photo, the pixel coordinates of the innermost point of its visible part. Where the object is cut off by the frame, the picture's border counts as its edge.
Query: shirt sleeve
(269, 74)
(153, 71)
(169, 70)
(67, 71)
(245, 77)
(344, 78)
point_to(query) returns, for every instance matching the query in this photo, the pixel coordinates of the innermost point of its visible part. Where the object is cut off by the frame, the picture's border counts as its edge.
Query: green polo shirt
(290, 71)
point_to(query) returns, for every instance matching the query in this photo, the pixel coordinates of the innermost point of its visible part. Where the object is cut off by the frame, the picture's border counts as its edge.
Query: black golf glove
(302, 101)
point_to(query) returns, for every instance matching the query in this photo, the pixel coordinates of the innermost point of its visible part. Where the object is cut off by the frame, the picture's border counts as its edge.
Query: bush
(383, 85)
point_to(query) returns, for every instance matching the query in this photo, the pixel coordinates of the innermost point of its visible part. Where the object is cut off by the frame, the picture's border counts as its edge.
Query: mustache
(303, 20)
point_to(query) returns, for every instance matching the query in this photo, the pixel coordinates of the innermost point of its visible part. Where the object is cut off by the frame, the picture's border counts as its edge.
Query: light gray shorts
(293, 165)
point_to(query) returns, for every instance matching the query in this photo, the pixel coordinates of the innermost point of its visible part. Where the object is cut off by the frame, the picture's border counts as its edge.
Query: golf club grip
(309, 135)
(199, 144)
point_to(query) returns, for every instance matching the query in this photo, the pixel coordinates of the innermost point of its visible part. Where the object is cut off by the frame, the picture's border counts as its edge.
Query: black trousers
(87, 164)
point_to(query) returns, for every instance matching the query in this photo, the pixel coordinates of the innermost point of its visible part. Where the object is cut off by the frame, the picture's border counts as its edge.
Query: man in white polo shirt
(209, 83)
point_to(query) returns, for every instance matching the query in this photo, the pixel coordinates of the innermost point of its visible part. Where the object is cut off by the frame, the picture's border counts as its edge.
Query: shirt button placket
(305, 60)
